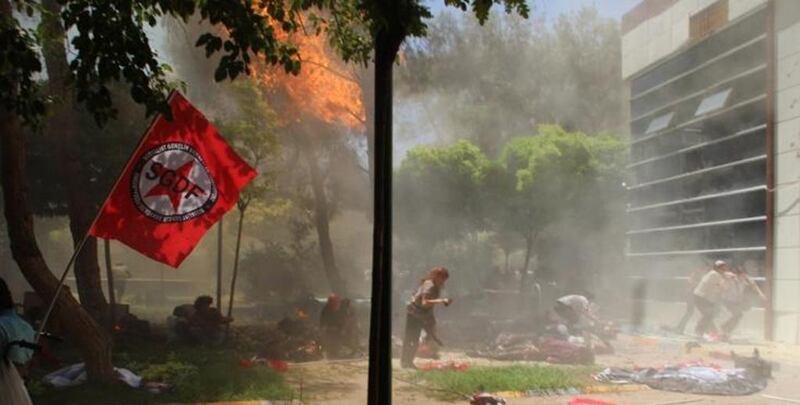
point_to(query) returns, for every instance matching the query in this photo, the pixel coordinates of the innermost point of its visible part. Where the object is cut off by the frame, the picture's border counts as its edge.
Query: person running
(694, 280)
(419, 314)
(13, 357)
(708, 295)
(737, 298)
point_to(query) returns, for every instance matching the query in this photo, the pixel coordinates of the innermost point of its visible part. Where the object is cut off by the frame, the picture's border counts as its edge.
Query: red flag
(180, 180)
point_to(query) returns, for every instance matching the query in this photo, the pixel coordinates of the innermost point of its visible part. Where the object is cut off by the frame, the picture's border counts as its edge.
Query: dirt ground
(345, 383)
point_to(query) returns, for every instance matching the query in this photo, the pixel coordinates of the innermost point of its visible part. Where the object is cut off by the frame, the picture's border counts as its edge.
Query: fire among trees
(327, 89)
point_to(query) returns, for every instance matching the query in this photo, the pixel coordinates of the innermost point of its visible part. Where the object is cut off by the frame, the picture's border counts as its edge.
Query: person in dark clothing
(205, 323)
(338, 328)
(737, 300)
(331, 321)
(694, 280)
(420, 316)
(350, 328)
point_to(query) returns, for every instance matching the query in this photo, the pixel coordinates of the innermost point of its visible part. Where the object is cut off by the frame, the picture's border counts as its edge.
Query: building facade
(715, 150)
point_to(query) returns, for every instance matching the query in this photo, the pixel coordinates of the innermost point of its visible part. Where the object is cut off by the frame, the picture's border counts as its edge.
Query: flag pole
(112, 299)
(235, 271)
(86, 235)
(219, 263)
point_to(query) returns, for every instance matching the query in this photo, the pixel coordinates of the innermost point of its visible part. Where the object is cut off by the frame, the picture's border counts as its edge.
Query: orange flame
(325, 88)
(300, 313)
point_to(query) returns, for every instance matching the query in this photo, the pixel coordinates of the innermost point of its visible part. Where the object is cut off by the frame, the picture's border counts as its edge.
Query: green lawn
(198, 374)
(448, 384)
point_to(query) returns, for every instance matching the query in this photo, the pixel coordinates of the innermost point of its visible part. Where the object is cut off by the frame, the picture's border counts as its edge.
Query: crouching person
(420, 315)
(204, 325)
(575, 312)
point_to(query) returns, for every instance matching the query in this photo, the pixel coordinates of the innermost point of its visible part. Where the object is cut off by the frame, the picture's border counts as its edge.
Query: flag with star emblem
(179, 182)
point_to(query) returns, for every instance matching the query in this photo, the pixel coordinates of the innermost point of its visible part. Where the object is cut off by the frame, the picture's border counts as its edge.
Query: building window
(659, 123)
(713, 102)
(708, 20)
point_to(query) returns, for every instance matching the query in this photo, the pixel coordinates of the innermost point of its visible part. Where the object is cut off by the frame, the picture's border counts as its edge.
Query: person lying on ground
(14, 358)
(419, 313)
(205, 323)
(708, 296)
(737, 298)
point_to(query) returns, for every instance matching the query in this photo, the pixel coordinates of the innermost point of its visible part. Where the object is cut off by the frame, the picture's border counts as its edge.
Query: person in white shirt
(575, 309)
(708, 296)
(13, 355)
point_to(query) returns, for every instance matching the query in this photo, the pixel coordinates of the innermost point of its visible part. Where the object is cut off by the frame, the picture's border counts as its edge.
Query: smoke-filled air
(369, 202)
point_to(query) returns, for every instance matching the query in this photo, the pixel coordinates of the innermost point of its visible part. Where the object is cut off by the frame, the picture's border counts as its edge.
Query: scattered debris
(529, 348)
(154, 387)
(293, 339)
(693, 379)
(76, 374)
(443, 365)
(755, 365)
(782, 399)
(279, 366)
(484, 398)
(588, 401)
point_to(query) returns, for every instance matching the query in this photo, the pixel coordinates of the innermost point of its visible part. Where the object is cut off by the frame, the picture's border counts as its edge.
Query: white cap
(719, 263)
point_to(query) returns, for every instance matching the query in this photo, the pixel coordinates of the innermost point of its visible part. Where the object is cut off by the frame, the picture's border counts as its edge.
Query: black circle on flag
(171, 183)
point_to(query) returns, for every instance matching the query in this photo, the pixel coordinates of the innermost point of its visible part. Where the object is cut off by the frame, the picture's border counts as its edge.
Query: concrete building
(715, 150)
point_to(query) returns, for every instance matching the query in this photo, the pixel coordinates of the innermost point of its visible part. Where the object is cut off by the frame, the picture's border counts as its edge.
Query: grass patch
(197, 374)
(448, 384)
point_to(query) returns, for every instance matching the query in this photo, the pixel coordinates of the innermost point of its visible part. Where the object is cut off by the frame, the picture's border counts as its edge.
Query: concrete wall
(786, 297)
(667, 32)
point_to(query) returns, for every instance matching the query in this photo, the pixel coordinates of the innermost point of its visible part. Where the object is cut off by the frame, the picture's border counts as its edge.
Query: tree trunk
(523, 282)
(65, 131)
(93, 341)
(387, 43)
(112, 312)
(322, 219)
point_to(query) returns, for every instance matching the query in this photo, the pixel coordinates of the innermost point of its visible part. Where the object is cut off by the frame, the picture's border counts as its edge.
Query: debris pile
(749, 376)
(292, 339)
(484, 398)
(513, 347)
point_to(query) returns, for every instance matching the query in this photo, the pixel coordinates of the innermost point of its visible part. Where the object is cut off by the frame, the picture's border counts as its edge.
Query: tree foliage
(550, 174)
(252, 132)
(436, 191)
(19, 65)
(104, 152)
(449, 197)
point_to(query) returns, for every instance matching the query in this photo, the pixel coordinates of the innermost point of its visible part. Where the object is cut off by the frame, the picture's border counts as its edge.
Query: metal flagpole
(83, 240)
(219, 263)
